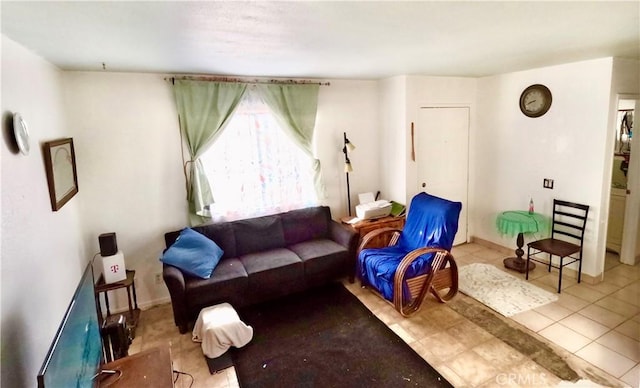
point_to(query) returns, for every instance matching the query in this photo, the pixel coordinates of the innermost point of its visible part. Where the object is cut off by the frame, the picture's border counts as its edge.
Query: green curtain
(295, 107)
(204, 108)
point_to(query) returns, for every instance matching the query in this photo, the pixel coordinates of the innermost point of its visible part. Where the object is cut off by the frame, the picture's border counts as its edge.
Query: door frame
(628, 236)
(632, 203)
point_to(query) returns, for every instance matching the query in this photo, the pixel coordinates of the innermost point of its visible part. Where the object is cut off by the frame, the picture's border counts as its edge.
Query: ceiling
(321, 39)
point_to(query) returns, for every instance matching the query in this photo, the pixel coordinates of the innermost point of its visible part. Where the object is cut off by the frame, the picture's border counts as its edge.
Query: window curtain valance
(204, 108)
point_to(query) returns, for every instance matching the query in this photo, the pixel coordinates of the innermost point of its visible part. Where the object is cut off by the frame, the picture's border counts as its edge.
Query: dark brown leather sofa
(264, 258)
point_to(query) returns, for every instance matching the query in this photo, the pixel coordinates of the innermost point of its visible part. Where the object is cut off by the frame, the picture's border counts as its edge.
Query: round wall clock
(21, 133)
(535, 100)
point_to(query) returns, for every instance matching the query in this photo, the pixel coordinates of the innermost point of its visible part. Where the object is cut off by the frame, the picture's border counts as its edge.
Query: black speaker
(115, 338)
(108, 244)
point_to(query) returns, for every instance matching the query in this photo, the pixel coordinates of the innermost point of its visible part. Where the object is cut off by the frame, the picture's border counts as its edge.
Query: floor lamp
(348, 146)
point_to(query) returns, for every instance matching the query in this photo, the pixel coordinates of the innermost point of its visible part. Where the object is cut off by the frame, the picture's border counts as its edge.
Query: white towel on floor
(218, 328)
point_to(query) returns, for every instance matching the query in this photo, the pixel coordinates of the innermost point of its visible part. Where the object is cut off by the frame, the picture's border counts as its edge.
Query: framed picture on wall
(60, 163)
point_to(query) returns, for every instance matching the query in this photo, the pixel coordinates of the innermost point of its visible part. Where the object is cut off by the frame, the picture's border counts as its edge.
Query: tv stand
(150, 368)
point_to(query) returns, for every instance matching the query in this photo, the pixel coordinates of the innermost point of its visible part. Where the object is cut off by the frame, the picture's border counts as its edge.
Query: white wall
(129, 168)
(129, 163)
(393, 136)
(351, 107)
(43, 254)
(514, 153)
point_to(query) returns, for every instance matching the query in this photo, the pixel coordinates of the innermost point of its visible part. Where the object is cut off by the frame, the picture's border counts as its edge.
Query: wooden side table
(365, 226)
(132, 316)
(151, 368)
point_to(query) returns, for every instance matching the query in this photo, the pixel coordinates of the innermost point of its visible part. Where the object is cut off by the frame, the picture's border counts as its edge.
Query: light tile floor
(595, 327)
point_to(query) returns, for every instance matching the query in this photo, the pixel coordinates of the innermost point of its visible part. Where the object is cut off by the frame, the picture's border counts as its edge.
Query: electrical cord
(178, 373)
(106, 379)
(94, 257)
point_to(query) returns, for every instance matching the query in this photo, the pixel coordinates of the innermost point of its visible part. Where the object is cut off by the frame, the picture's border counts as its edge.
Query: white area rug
(500, 291)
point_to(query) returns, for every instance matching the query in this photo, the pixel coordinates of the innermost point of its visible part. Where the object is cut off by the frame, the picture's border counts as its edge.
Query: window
(254, 168)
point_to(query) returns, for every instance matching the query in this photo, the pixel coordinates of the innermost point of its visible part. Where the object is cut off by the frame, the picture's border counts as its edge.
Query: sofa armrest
(348, 238)
(343, 235)
(174, 280)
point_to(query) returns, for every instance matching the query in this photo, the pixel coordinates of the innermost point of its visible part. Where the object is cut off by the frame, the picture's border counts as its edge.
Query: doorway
(442, 157)
(624, 204)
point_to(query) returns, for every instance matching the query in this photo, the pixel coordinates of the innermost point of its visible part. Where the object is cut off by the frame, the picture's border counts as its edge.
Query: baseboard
(588, 278)
(492, 245)
(569, 272)
(152, 303)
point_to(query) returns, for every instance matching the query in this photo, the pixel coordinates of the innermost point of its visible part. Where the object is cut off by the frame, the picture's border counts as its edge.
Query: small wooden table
(520, 222)
(149, 368)
(365, 226)
(133, 314)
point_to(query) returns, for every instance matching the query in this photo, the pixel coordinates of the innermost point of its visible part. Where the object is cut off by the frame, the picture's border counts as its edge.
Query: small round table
(519, 222)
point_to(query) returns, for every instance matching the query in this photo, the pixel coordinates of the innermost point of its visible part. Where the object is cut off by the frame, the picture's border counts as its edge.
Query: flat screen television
(75, 355)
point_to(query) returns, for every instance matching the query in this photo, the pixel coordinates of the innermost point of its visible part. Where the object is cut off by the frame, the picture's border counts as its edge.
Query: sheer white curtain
(295, 107)
(256, 168)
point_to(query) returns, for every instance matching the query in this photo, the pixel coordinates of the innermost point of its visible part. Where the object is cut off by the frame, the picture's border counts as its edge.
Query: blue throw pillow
(193, 253)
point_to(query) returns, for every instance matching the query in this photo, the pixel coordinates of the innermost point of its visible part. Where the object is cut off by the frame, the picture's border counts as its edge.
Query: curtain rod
(245, 81)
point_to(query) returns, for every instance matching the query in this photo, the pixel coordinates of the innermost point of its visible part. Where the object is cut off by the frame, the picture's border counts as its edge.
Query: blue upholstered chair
(409, 263)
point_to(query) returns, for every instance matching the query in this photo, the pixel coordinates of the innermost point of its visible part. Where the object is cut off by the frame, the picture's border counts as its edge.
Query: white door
(442, 156)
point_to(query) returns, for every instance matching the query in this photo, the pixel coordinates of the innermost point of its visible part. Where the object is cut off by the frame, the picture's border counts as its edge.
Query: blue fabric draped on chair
(430, 229)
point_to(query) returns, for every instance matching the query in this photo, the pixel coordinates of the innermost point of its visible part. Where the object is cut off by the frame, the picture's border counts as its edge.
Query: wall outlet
(158, 278)
(547, 183)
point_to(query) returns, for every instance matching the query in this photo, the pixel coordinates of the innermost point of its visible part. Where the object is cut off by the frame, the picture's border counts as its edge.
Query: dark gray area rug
(326, 337)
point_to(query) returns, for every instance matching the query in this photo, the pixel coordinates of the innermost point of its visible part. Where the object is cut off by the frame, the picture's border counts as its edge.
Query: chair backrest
(431, 222)
(569, 219)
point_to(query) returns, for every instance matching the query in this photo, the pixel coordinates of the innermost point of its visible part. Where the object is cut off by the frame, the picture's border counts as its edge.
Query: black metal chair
(569, 222)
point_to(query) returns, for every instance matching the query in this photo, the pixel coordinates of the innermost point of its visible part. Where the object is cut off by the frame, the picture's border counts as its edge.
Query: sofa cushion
(270, 268)
(228, 280)
(193, 253)
(223, 235)
(321, 255)
(258, 234)
(306, 224)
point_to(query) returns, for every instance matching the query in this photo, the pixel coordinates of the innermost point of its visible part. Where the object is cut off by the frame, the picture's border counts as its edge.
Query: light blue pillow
(193, 253)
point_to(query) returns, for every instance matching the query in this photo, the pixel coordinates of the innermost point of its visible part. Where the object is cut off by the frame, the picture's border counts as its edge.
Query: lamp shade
(347, 166)
(350, 145)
